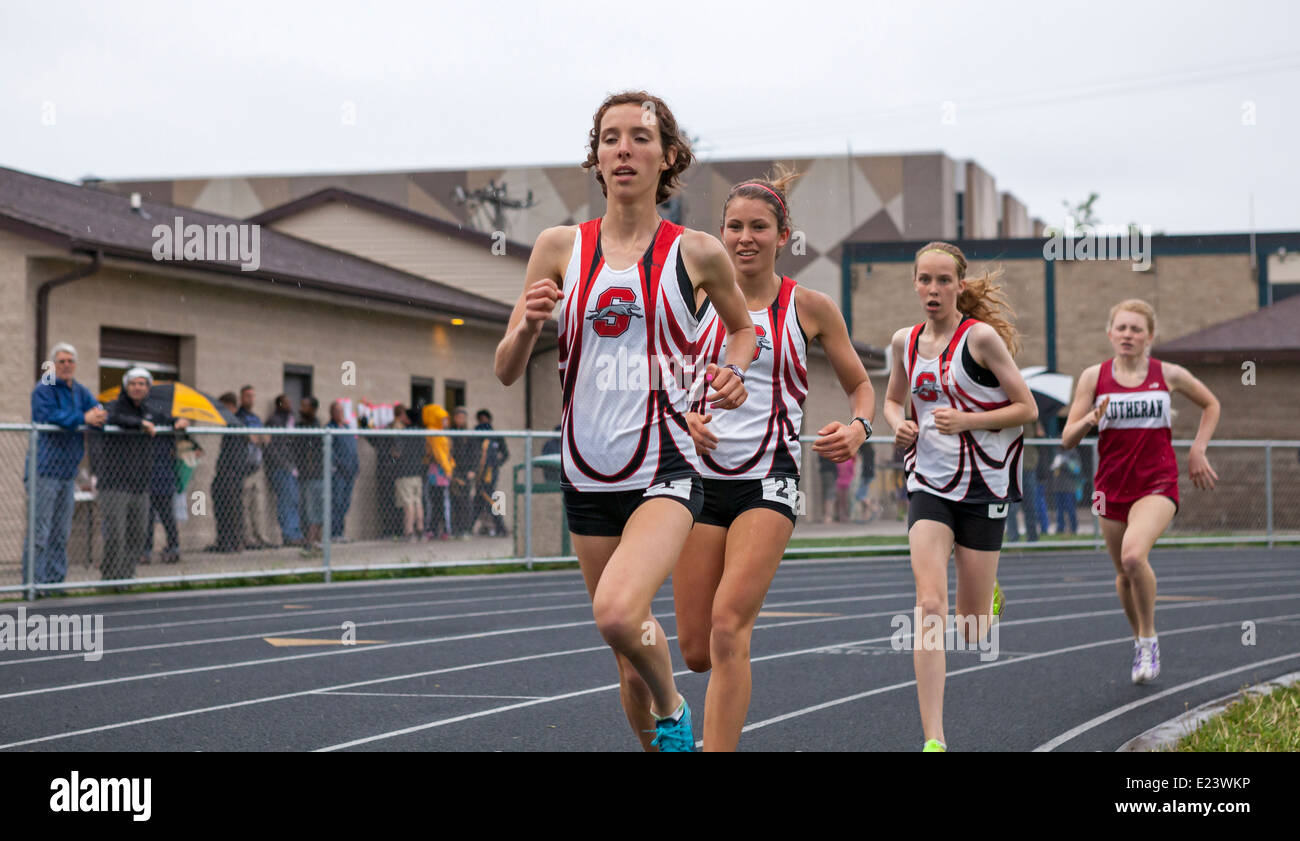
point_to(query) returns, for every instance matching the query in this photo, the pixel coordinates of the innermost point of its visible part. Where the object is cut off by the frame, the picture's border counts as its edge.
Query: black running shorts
(727, 499)
(975, 525)
(605, 513)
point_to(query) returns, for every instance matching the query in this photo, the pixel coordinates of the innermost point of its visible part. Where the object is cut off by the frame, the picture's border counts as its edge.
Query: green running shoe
(999, 602)
(934, 746)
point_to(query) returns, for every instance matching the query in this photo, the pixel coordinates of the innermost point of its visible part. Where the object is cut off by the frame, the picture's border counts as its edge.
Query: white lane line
(1129, 707)
(268, 660)
(349, 609)
(370, 682)
(525, 658)
(1056, 652)
(493, 711)
(417, 695)
(1007, 579)
(666, 617)
(308, 594)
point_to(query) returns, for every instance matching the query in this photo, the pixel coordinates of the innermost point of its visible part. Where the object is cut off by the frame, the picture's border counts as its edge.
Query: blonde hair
(1138, 306)
(982, 299)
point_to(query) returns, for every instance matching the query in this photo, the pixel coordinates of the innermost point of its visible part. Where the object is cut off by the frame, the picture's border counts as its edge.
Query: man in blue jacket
(58, 399)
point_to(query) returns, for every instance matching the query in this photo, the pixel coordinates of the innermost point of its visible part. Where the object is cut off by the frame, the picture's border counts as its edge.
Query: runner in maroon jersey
(750, 456)
(626, 285)
(1128, 399)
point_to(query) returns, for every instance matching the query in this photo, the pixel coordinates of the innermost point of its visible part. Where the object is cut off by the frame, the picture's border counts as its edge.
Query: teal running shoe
(675, 736)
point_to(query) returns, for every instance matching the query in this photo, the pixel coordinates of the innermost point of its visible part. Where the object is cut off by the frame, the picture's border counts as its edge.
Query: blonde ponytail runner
(773, 189)
(982, 299)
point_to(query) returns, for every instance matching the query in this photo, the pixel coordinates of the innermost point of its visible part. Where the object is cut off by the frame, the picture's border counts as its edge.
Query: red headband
(784, 212)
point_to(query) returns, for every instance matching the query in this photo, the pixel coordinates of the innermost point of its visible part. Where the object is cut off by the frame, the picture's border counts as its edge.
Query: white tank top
(761, 437)
(977, 465)
(626, 340)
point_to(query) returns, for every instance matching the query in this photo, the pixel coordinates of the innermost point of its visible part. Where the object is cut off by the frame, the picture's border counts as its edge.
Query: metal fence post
(29, 568)
(1268, 493)
(327, 512)
(528, 497)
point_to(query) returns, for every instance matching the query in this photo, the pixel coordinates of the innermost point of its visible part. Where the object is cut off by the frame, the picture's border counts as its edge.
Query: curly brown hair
(982, 298)
(670, 137)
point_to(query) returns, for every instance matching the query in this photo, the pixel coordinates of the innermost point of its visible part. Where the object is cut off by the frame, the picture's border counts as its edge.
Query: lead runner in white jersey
(627, 540)
(750, 455)
(957, 373)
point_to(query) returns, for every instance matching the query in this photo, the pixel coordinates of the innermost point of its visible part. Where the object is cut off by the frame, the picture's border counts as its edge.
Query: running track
(515, 663)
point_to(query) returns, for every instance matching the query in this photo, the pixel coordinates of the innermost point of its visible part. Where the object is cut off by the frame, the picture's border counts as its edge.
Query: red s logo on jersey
(926, 387)
(761, 343)
(615, 309)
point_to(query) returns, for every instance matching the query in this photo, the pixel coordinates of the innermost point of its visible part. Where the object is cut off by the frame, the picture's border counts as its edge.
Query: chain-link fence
(115, 508)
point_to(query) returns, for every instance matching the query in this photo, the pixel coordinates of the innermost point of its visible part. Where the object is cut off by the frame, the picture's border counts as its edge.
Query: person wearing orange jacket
(441, 466)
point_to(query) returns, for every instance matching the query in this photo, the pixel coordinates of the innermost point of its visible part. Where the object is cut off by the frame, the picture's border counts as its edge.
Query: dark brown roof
(88, 220)
(347, 197)
(1268, 334)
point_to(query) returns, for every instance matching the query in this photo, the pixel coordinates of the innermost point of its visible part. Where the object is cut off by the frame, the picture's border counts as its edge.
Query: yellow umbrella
(181, 401)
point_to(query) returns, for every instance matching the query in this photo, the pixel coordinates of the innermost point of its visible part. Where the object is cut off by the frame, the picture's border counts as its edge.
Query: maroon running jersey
(1135, 453)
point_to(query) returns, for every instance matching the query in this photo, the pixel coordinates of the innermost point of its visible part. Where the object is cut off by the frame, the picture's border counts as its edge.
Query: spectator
(843, 481)
(389, 515)
(344, 466)
(553, 446)
(125, 473)
(869, 509)
(408, 475)
(278, 457)
(493, 453)
(438, 453)
(1064, 485)
(1029, 483)
(254, 498)
(829, 474)
(309, 458)
(57, 399)
(465, 454)
(162, 490)
(228, 486)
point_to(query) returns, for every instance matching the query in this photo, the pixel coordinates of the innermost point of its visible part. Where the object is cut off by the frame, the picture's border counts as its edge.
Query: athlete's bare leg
(593, 554)
(1147, 520)
(1113, 531)
(695, 580)
(755, 543)
(931, 543)
(976, 570)
(634, 572)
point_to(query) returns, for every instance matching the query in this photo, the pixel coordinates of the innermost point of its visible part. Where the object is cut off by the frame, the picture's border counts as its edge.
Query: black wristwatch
(866, 424)
(736, 369)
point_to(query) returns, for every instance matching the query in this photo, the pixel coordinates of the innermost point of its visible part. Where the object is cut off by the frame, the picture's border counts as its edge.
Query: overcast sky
(1149, 104)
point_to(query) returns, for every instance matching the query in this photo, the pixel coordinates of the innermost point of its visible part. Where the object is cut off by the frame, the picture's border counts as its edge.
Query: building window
(122, 350)
(297, 384)
(453, 394)
(421, 391)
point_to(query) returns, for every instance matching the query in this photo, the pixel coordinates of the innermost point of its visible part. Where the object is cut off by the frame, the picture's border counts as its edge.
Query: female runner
(750, 456)
(1127, 398)
(968, 401)
(626, 286)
